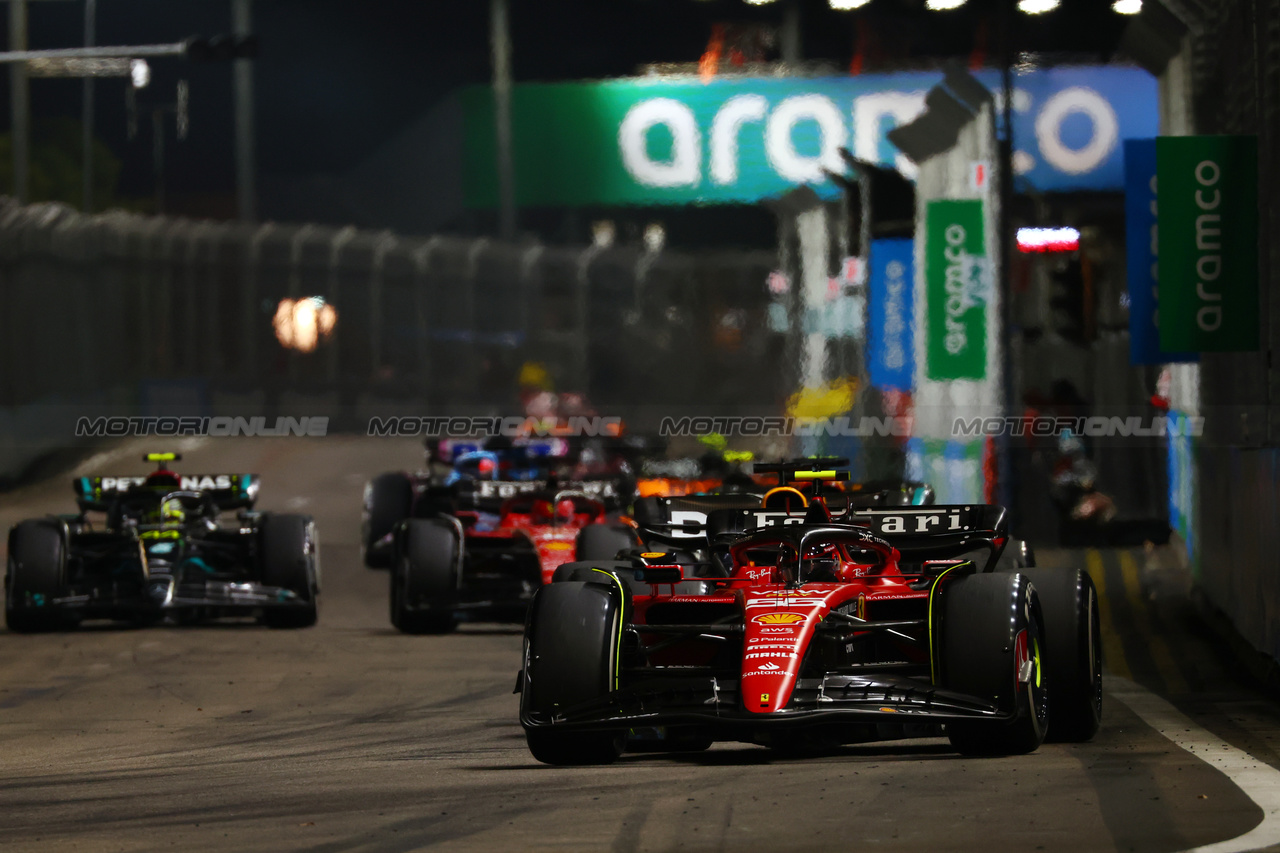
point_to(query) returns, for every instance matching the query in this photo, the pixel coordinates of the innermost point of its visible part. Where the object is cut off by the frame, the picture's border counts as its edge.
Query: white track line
(1258, 780)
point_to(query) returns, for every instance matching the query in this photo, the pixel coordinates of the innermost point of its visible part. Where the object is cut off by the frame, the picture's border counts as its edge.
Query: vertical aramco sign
(1207, 196)
(957, 289)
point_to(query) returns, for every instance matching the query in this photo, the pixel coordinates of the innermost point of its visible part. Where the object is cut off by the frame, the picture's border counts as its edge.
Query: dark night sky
(336, 78)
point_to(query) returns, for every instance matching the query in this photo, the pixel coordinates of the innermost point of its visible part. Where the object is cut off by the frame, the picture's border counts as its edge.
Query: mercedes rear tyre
(388, 499)
(602, 542)
(571, 658)
(290, 561)
(37, 559)
(984, 654)
(424, 572)
(1072, 653)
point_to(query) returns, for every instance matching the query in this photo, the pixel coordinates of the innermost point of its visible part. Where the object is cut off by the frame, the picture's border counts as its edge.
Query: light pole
(246, 166)
(90, 35)
(500, 38)
(20, 102)
(1004, 222)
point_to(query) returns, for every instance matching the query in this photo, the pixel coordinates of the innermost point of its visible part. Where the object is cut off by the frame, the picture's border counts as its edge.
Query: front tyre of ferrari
(424, 569)
(985, 653)
(388, 499)
(571, 657)
(289, 553)
(1073, 652)
(37, 557)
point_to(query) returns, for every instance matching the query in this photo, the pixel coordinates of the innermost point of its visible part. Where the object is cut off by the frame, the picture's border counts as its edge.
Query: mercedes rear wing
(228, 491)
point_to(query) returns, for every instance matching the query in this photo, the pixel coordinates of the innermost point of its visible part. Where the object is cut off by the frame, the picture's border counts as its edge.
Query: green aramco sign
(1207, 197)
(957, 290)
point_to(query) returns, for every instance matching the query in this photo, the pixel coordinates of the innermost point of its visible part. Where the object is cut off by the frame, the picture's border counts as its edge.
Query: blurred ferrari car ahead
(477, 543)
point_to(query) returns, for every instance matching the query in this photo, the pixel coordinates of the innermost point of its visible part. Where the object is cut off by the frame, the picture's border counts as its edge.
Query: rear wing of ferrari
(918, 532)
(938, 531)
(491, 494)
(228, 491)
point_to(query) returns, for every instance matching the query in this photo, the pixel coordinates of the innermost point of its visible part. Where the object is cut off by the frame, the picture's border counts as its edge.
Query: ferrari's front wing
(715, 702)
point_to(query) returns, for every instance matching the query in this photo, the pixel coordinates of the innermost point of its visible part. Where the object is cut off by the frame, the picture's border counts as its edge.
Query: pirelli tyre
(424, 574)
(388, 500)
(1073, 651)
(602, 542)
(984, 653)
(571, 656)
(291, 560)
(37, 562)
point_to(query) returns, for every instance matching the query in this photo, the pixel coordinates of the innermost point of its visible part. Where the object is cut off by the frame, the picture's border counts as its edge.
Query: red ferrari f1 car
(478, 545)
(811, 625)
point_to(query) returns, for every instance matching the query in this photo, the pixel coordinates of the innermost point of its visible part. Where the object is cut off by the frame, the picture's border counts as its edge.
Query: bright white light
(603, 233)
(942, 5)
(1048, 239)
(655, 237)
(844, 5)
(1127, 7)
(1037, 7)
(302, 324)
(140, 71)
(758, 2)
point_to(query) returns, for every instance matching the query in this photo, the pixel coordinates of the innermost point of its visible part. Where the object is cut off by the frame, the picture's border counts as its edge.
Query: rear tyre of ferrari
(978, 658)
(571, 657)
(290, 560)
(423, 572)
(388, 499)
(602, 542)
(37, 556)
(1072, 653)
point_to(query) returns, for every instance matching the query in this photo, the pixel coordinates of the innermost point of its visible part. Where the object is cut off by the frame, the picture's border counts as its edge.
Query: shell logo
(653, 555)
(558, 546)
(778, 619)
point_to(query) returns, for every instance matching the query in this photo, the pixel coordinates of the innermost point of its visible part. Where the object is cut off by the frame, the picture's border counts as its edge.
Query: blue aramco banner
(1142, 250)
(734, 140)
(891, 361)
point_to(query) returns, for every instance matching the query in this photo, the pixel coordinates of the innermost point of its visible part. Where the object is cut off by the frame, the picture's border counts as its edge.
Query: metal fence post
(469, 291)
(213, 341)
(386, 242)
(295, 281)
(249, 297)
(528, 263)
(582, 313)
(422, 265)
(339, 242)
(164, 300)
